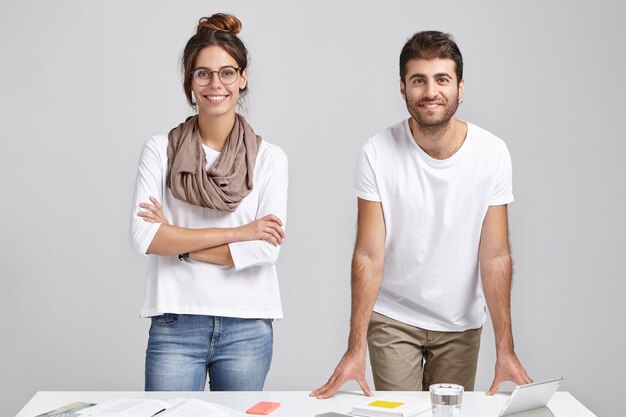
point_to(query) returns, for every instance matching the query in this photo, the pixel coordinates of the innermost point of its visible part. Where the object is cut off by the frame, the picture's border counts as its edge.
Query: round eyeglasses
(203, 76)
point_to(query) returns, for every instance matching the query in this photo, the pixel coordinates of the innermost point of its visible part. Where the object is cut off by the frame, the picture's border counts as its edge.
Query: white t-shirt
(250, 289)
(433, 210)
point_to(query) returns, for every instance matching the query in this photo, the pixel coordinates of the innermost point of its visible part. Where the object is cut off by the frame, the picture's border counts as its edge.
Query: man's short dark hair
(431, 44)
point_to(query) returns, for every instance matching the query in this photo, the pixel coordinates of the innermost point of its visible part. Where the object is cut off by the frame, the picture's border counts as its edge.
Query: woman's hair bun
(220, 21)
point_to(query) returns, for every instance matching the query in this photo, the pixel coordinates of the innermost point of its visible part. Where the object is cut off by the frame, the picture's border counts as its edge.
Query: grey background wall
(84, 83)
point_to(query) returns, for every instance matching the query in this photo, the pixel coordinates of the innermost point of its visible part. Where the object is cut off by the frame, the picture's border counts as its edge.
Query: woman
(212, 199)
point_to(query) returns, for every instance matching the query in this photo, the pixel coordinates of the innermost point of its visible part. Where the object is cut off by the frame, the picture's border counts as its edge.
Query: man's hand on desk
(508, 368)
(350, 367)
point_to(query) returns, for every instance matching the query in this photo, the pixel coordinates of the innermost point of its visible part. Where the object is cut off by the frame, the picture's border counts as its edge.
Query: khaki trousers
(407, 358)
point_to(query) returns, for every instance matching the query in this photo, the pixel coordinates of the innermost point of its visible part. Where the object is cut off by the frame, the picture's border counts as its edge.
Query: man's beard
(430, 124)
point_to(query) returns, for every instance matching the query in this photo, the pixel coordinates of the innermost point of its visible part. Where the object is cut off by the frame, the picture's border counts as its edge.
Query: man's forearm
(366, 278)
(496, 277)
(496, 273)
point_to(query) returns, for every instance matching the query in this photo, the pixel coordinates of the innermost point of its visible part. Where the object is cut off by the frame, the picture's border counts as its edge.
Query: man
(432, 209)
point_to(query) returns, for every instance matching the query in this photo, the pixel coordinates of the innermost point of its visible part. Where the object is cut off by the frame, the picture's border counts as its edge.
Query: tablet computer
(530, 396)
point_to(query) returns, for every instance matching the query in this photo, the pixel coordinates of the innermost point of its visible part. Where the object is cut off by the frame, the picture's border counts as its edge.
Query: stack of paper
(164, 408)
(392, 406)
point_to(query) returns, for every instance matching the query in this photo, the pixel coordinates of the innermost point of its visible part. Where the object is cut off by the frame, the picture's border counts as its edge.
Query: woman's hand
(154, 212)
(268, 228)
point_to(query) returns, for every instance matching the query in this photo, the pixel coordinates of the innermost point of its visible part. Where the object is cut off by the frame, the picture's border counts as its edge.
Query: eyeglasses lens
(227, 75)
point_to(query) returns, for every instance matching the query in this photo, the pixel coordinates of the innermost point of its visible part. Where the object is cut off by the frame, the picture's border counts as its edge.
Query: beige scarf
(227, 182)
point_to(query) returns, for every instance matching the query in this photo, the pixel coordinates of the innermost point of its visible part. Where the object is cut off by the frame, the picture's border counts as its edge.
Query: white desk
(294, 403)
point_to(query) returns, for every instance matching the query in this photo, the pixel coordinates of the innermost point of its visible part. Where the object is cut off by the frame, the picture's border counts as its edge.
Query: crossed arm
(210, 244)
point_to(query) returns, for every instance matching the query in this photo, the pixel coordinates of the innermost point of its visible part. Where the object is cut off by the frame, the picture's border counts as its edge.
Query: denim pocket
(167, 319)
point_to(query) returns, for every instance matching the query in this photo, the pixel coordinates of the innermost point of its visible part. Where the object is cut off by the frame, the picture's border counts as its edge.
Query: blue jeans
(236, 353)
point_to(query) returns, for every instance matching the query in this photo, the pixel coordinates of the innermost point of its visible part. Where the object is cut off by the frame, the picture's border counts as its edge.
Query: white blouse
(250, 289)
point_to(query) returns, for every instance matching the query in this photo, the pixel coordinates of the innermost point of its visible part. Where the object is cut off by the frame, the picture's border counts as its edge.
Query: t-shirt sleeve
(503, 185)
(365, 185)
(148, 184)
(272, 200)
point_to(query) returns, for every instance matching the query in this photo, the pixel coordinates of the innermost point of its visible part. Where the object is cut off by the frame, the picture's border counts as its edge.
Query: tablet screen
(531, 396)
